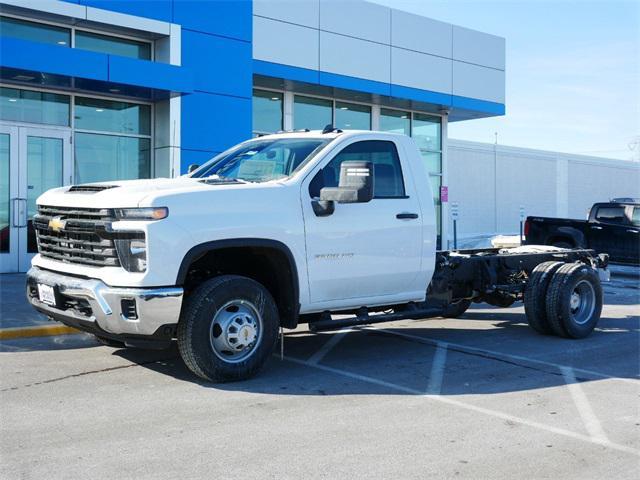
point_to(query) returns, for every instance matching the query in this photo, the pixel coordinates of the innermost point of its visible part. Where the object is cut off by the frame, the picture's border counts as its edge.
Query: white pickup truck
(280, 230)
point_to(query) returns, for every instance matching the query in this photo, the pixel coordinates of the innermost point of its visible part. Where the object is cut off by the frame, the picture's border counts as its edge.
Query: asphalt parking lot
(479, 397)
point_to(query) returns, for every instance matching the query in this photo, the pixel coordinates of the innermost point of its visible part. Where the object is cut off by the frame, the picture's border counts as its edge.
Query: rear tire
(228, 329)
(454, 310)
(535, 296)
(109, 343)
(574, 300)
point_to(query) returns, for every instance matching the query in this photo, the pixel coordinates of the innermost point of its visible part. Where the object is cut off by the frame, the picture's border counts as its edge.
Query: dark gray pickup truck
(612, 227)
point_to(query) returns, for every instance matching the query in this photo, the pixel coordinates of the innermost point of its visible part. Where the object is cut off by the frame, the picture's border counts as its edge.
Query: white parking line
(326, 348)
(437, 369)
(474, 408)
(481, 351)
(591, 422)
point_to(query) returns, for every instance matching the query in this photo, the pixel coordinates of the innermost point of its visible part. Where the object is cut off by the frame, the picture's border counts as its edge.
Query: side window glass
(611, 215)
(388, 182)
(635, 216)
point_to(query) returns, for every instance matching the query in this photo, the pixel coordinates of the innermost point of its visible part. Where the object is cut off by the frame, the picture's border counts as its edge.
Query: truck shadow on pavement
(506, 357)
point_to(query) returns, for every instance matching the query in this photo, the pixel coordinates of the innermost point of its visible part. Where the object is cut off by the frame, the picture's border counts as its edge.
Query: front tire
(228, 329)
(574, 300)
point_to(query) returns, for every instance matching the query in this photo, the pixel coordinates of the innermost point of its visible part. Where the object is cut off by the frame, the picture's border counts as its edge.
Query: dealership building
(96, 90)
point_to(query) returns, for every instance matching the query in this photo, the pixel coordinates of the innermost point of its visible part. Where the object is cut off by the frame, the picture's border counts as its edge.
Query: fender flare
(201, 249)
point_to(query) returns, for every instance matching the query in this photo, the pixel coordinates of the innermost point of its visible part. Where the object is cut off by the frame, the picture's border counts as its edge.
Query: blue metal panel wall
(216, 48)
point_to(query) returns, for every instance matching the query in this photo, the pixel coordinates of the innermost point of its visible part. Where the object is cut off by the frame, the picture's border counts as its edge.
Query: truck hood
(128, 193)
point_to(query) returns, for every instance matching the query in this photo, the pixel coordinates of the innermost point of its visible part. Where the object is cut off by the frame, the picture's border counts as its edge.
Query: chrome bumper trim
(155, 306)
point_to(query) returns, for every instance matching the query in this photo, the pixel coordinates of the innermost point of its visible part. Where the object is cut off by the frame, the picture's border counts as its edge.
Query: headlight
(149, 213)
(132, 253)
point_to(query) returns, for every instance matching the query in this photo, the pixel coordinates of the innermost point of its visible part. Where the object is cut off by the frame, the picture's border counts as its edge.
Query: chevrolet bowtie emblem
(57, 223)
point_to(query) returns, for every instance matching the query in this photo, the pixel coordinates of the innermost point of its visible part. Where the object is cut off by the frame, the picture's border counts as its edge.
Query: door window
(4, 192)
(611, 215)
(635, 216)
(388, 182)
(44, 171)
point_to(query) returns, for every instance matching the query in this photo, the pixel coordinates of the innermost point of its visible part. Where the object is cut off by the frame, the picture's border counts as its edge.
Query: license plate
(46, 294)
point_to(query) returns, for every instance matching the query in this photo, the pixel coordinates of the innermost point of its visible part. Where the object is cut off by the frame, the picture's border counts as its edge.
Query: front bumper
(113, 312)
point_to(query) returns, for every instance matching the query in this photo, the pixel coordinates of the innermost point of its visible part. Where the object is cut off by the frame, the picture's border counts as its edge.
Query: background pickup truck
(612, 228)
(327, 228)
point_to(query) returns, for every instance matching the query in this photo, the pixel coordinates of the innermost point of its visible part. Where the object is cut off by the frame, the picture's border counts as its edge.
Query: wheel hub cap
(235, 331)
(575, 300)
(582, 302)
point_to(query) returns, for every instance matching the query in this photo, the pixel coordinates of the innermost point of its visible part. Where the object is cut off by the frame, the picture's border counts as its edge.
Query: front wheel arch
(275, 268)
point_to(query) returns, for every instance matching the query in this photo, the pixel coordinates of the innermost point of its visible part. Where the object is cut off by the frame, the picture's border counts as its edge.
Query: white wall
(545, 183)
(374, 42)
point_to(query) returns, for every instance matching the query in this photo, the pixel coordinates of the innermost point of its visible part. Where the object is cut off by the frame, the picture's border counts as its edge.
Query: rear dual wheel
(574, 301)
(564, 299)
(535, 296)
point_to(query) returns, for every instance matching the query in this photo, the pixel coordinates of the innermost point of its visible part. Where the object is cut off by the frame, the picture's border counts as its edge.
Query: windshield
(262, 160)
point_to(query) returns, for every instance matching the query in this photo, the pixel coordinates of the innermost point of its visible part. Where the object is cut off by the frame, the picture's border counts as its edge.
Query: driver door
(368, 251)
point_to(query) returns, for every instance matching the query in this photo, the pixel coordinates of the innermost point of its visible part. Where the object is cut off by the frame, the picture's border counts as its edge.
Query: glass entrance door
(38, 159)
(8, 194)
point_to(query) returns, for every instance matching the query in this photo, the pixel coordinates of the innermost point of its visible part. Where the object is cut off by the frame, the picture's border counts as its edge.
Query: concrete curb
(36, 331)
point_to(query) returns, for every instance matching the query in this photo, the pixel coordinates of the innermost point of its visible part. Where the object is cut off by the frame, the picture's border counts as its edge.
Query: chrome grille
(81, 239)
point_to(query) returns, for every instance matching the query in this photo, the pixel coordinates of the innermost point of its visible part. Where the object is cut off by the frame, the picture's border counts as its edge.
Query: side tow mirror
(355, 186)
(192, 167)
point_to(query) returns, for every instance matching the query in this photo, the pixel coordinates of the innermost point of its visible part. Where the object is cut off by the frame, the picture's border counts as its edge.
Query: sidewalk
(17, 317)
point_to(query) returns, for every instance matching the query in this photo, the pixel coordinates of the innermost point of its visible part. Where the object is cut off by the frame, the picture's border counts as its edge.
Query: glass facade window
(426, 132)
(395, 121)
(432, 162)
(352, 116)
(102, 152)
(267, 111)
(112, 116)
(34, 107)
(311, 113)
(101, 157)
(112, 45)
(35, 32)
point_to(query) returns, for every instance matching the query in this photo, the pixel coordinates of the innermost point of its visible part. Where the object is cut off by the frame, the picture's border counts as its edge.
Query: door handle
(19, 212)
(407, 216)
(633, 231)
(596, 228)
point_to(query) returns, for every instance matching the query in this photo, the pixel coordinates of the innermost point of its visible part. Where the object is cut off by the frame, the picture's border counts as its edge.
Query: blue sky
(573, 72)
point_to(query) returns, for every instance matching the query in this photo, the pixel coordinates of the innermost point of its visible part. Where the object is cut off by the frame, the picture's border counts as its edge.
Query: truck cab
(614, 228)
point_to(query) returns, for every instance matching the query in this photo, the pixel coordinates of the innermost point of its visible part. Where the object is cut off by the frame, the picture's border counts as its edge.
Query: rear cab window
(611, 214)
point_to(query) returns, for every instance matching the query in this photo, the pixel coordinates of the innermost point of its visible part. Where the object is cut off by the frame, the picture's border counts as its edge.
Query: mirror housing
(192, 167)
(355, 186)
